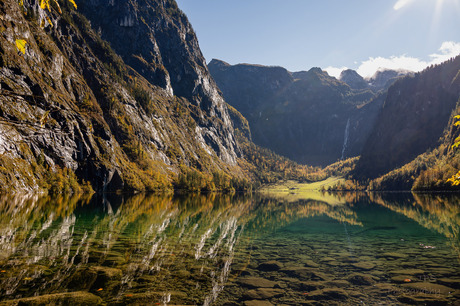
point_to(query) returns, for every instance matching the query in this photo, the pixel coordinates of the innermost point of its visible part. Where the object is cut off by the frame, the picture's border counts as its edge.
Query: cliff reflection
(437, 212)
(145, 248)
(136, 248)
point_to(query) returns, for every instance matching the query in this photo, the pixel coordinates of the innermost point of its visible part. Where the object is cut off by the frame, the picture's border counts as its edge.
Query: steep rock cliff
(122, 114)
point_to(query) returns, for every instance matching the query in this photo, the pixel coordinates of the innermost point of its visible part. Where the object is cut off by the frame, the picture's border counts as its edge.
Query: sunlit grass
(294, 191)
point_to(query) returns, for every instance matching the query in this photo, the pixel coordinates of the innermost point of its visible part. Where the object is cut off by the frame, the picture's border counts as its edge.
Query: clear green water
(373, 249)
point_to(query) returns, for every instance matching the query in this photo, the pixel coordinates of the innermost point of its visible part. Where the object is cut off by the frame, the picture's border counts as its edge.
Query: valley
(135, 170)
(118, 97)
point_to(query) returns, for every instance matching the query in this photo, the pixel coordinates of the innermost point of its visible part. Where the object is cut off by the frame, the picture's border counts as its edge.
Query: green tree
(455, 179)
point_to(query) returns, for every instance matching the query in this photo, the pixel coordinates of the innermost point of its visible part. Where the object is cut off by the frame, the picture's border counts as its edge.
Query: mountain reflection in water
(215, 250)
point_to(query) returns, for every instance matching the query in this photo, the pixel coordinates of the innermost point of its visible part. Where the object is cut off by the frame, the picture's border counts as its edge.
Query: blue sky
(332, 34)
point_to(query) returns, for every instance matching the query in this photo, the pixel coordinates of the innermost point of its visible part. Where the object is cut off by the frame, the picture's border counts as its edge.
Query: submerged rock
(393, 255)
(68, 298)
(364, 265)
(428, 288)
(82, 279)
(361, 279)
(422, 299)
(408, 272)
(329, 294)
(263, 293)
(257, 303)
(105, 276)
(404, 279)
(311, 263)
(271, 265)
(340, 283)
(257, 282)
(302, 286)
(450, 282)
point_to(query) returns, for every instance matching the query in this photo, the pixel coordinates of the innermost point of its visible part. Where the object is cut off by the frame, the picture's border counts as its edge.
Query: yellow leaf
(42, 23)
(21, 45)
(73, 2)
(44, 119)
(21, 3)
(457, 117)
(49, 21)
(58, 7)
(457, 123)
(45, 4)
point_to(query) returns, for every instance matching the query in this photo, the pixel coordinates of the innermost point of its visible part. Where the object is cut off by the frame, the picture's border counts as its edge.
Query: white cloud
(447, 50)
(401, 3)
(368, 68)
(334, 71)
(373, 64)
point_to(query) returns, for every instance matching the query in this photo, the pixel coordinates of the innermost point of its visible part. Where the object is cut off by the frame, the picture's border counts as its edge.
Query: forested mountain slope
(415, 114)
(116, 93)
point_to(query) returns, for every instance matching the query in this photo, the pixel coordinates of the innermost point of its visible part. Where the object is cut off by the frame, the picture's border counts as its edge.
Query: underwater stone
(364, 265)
(68, 298)
(271, 265)
(257, 282)
(428, 288)
(328, 294)
(257, 303)
(263, 293)
(450, 282)
(393, 255)
(361, 279)
(408, 272)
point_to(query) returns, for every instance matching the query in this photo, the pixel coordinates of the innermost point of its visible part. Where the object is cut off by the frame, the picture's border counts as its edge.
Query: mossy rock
(67, 298)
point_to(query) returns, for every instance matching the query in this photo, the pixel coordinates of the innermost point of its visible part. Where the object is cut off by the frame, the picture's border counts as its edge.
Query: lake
(347, 249)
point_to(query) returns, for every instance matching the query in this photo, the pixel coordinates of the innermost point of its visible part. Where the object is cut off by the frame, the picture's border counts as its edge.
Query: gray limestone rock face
(117, 92)
(156, 39)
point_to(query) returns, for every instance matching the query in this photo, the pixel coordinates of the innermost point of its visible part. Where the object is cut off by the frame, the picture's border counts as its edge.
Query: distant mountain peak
(350, 73)
(316, 69)
(314, 72)
(384, 72)
(218, 63)
(383, 77)
(353, 79)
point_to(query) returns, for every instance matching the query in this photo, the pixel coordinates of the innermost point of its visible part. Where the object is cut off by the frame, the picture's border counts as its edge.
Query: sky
(364, 35)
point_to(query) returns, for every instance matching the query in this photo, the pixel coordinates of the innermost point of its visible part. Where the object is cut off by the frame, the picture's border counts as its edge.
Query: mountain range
(308, 116)
(116, 95)
(399, 123)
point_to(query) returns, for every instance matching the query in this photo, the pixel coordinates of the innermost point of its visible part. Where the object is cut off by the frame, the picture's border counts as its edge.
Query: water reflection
(437, 212)
(140, 248)
(146, 249)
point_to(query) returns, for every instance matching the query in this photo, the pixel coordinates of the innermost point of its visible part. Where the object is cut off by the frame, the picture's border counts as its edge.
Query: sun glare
(440, 9)
(401, 3)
